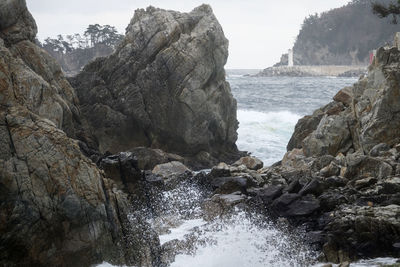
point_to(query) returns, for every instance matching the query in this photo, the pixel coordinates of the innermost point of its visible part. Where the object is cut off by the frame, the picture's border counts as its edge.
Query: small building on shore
(290, 58)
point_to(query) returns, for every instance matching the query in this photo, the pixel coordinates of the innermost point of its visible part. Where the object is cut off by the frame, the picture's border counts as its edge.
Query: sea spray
(238, 238)
(241, 240)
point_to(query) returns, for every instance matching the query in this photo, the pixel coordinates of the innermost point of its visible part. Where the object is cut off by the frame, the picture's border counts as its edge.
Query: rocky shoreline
(84, 161)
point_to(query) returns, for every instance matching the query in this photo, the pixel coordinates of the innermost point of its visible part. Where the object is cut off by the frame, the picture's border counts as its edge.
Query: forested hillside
(342, 36)
(74, 51)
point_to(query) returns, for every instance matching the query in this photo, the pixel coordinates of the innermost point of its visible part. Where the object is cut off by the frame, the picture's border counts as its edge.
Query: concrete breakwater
(321, 70)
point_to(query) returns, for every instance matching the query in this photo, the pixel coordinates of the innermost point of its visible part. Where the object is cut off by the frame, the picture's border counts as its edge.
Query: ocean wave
(265, 135)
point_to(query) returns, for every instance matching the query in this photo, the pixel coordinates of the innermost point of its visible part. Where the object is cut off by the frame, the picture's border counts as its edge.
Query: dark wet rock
(389, 186)
(228, 185)
(280, 204)
(294, 187)
(335, 181)
(164, 87)
(315, 187)
(267, 195)
(303, 207)
(365, 230)
(332, 199)
(293, 205)
(252, 163)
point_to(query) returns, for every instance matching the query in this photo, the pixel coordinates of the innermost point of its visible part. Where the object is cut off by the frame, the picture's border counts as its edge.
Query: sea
(268, 109)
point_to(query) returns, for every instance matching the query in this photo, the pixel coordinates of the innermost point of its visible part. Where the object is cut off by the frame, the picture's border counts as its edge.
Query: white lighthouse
(290, 58)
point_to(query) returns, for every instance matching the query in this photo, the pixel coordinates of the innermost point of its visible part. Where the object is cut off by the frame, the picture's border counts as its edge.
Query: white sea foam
(241, 242)
(180, 232)
(265, 135)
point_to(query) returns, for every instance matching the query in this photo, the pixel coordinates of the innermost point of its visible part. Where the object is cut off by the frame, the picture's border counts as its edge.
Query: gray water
(298, 95)
(269, 108)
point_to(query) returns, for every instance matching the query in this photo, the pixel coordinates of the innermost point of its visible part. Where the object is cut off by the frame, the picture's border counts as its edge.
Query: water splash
(243, 241)
(237, 239)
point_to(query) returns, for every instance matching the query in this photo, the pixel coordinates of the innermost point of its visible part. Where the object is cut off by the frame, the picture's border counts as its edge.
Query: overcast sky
(259, 31)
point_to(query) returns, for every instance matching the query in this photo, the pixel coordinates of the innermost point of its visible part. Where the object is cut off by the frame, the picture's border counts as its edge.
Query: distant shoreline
(312, 71)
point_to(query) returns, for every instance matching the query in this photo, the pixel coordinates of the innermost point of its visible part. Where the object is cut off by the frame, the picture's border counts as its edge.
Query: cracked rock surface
(164, 87)
(57, 208)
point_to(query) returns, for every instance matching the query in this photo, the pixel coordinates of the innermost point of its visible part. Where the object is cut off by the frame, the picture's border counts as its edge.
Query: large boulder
(164, 87)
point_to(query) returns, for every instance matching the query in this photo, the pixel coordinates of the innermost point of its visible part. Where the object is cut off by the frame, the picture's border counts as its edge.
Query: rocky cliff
(164, 87)
(57, 208)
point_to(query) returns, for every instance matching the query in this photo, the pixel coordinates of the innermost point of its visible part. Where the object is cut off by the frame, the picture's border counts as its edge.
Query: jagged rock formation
(360, 117)
(164, 87)
(57, 208)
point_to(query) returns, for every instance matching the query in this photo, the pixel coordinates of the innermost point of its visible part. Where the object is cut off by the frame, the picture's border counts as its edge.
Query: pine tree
(383, 11)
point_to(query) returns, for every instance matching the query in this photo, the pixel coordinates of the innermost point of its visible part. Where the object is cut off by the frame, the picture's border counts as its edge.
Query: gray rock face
(348, 153)
(56, 207)
(366, 114)
(164, 87)
(16, 23)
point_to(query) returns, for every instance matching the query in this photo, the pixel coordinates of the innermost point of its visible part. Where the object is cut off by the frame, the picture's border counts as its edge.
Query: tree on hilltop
(384, 11)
